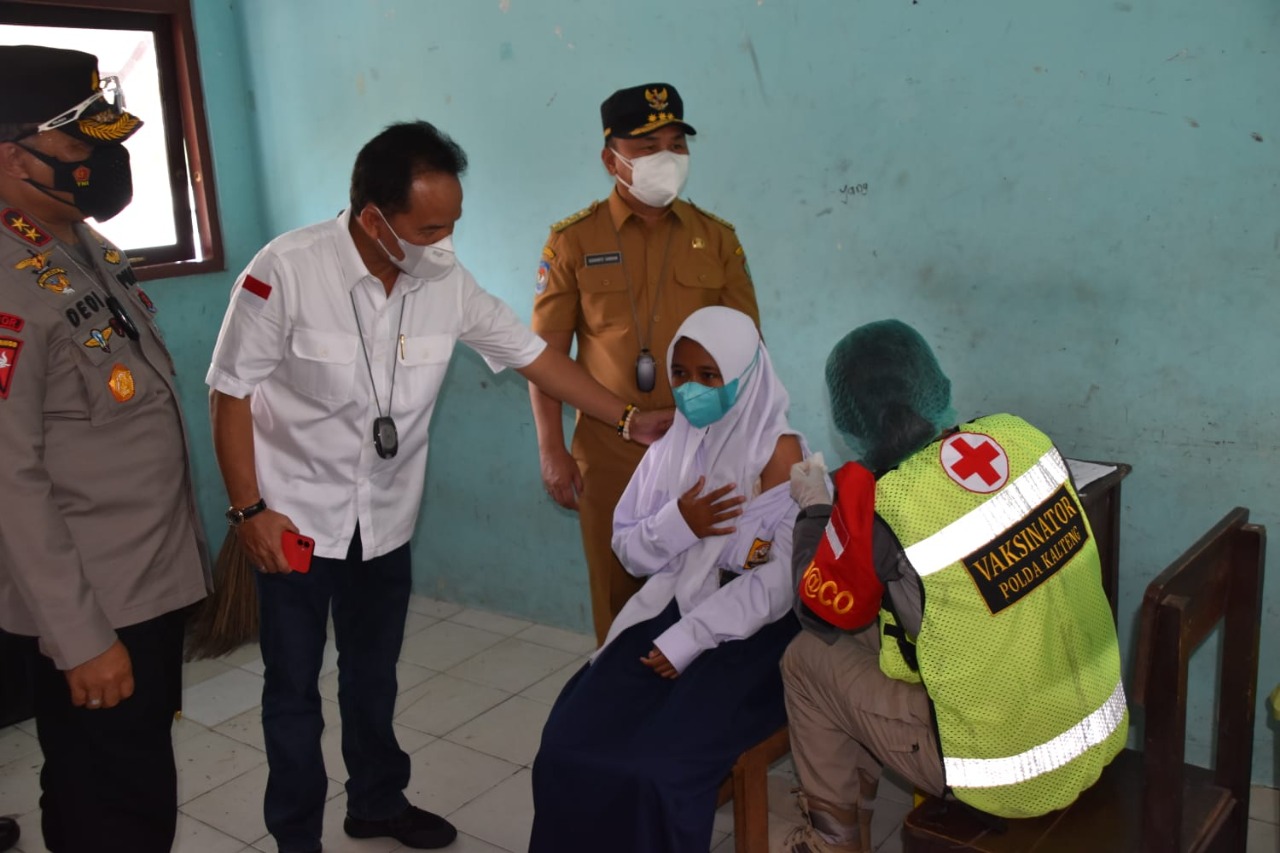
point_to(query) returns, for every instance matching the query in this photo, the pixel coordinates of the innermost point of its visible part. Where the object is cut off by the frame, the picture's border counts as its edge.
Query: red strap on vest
(840, 586)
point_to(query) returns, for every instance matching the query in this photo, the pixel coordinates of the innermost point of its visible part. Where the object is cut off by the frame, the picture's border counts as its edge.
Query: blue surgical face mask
(703, 405)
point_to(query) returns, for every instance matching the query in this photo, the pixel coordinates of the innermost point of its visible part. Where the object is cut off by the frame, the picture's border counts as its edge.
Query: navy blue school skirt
(631, 762)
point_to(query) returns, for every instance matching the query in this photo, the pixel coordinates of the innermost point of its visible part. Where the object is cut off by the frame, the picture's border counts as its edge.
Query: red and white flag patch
(254, 293)
(9, 349)
(257, 287)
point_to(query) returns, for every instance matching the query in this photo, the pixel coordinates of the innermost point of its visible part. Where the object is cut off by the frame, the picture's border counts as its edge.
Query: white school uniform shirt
(290, 339)
(710, 614)
(651, 537)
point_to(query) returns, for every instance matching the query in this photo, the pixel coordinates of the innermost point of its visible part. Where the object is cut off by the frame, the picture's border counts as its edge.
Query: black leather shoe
(413, 827)
(9, 832)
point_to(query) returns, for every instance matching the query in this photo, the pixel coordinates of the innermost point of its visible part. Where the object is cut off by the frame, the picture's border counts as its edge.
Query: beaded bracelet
(624, 422)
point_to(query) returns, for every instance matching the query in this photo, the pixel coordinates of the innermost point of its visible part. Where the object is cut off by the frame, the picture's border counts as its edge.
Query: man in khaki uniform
(622, 275)
(101, 550)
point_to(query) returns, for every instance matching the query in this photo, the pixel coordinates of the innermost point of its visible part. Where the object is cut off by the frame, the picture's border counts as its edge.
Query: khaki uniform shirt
(98, 528)
(602, 261)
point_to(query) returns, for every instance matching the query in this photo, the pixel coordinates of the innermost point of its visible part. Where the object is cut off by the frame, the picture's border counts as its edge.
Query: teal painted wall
(1075, 202)
(190, 309)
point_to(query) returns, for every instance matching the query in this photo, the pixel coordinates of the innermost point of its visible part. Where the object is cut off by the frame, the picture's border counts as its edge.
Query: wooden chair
(748, 787)
(1151, 801)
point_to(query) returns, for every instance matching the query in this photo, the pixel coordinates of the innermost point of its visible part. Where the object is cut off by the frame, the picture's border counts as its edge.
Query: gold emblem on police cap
(657, 100)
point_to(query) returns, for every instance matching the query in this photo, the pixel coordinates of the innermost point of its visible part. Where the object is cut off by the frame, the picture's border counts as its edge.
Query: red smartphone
(297, 550)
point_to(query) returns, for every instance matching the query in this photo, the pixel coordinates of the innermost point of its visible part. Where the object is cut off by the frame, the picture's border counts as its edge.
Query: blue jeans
(370, 599)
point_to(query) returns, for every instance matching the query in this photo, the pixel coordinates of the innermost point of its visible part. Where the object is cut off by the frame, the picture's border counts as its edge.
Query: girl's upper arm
(778, 469)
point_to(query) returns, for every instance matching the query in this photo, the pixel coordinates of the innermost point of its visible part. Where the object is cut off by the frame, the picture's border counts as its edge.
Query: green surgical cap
(888, 392)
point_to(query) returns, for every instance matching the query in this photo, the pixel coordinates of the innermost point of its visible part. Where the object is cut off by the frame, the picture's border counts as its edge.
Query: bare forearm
(233, 446)
(561, 378)
(547, 418)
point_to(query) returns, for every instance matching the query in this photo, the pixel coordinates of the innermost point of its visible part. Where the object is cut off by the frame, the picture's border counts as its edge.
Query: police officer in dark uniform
(101, 550)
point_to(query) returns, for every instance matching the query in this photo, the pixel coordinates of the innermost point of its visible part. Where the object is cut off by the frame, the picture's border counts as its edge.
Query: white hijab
(738, 446)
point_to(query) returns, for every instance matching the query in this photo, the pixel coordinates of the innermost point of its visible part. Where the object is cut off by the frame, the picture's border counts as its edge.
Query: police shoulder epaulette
(576, 217)
(713, 217)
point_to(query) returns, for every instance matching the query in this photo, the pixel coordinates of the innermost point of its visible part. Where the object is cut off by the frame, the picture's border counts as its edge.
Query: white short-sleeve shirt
(290, 339)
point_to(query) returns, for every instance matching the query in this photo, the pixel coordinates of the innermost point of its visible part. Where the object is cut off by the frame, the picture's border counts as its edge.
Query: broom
(228, 618)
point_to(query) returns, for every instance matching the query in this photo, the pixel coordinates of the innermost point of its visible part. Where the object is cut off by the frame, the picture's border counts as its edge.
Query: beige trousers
(607, 463)
(848, 718)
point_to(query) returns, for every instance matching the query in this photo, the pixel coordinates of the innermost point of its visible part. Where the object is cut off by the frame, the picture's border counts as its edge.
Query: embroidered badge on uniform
(759, 553)
(146, 301)
(9, 349)
(99, 339)
(544, 275)
(110, 255)
(547, 254)
(55, 280)
(121, 383)
(11, 322)
(19, 223)
(48, 277)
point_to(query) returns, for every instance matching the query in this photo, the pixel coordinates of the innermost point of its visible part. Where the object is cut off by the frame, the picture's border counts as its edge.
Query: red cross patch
(975, 461)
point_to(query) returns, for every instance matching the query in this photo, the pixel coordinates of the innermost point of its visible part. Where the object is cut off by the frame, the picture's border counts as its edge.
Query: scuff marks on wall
(750, 48)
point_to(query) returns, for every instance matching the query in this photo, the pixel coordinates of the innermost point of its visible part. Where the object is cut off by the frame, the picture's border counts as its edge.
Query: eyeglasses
(110, 92)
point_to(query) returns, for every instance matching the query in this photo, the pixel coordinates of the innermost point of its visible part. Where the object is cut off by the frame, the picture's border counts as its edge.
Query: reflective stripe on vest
(991, 518)
(1071, 744)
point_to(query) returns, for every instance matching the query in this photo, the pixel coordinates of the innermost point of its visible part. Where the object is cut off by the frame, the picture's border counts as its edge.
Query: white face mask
(658, 178)
(429, 263)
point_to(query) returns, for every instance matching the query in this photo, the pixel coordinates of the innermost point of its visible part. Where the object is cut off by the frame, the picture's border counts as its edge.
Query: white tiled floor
(475, 689)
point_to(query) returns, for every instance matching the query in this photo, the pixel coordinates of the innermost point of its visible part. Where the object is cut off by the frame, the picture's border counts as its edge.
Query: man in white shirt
(323, 381)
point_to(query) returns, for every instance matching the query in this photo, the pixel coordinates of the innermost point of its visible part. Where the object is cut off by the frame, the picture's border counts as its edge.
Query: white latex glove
(809, 482)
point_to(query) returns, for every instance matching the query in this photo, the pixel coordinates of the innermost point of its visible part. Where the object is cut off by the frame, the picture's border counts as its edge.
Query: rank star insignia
(100, 339)
(17, 222)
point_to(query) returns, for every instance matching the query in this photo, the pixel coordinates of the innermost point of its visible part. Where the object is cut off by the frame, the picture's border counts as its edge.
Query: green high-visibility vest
(1016, 648)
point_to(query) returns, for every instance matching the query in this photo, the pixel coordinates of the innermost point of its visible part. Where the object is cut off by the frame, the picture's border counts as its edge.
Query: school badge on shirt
(759, 553)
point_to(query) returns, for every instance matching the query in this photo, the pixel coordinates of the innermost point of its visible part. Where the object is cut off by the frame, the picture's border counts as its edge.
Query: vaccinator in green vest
(956, 625)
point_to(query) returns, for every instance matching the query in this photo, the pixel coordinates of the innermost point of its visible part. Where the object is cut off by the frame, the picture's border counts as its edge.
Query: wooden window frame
(190, 156)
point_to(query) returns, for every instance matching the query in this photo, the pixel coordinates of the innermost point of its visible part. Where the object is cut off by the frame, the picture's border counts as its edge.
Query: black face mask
(100, 186)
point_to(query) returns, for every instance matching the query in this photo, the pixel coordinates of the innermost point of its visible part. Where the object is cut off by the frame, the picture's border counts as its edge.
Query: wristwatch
(237, 517)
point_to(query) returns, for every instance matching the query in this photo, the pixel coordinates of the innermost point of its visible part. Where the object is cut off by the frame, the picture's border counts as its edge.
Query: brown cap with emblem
(60, 90)
(641, 110)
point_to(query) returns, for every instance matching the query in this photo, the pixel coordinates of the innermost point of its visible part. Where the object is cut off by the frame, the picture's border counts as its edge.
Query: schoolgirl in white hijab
(640, 739)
